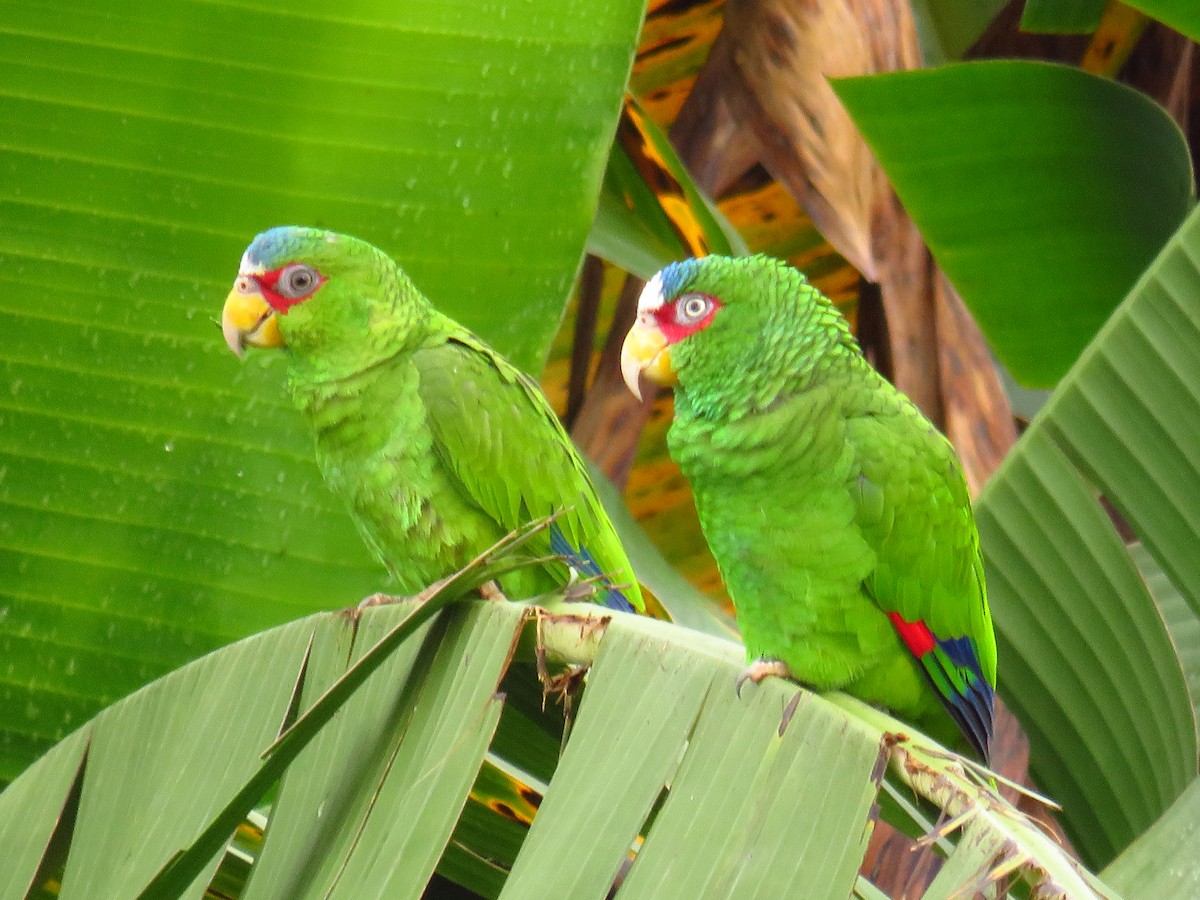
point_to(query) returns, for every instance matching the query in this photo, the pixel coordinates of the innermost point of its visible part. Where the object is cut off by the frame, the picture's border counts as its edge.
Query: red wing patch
(916, 635)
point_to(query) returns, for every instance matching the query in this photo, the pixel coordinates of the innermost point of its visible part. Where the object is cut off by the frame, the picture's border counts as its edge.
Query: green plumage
(439, 446)
(828, 499)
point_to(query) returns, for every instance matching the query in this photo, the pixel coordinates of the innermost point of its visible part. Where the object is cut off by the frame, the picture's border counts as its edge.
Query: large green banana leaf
(1042, 191)
(1085, 657)
(769, 794)
(157, 498)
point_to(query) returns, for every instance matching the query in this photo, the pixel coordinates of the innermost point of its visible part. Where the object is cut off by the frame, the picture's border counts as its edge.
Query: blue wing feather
(581, 561)
(965, 693)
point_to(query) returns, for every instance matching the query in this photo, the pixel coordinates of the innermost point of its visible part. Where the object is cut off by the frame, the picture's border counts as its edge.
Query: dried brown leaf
(783, 54)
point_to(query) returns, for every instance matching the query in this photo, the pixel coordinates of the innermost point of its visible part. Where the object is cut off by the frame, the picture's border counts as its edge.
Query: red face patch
(288, 285)
(685, 315)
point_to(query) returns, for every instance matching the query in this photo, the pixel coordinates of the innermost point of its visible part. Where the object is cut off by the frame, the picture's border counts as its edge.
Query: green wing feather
(915, 509)
(487, 416)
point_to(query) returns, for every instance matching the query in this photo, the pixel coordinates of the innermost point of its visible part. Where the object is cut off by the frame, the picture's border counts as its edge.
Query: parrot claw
(760, 669)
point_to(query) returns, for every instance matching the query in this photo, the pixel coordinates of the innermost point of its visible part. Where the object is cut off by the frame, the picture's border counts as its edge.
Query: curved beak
(247, 319)
(646, 352)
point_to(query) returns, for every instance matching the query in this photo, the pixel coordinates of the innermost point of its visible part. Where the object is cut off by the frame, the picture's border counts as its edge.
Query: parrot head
(697, 316)
(311, 291)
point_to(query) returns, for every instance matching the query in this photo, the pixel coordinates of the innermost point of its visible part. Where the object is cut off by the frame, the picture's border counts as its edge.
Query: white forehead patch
(652, 294)
(250, 268)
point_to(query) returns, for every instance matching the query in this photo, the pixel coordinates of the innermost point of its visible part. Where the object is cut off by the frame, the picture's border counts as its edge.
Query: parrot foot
(760, 669)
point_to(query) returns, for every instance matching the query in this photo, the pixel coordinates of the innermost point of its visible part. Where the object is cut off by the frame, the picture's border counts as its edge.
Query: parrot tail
(952, 667)
(970, 700)
(583, 564)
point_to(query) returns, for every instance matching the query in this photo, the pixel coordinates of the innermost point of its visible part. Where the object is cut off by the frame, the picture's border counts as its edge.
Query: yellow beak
(645, 352)
(247, 319)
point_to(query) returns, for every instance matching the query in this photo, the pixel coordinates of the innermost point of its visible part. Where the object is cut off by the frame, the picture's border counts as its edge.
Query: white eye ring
(297, 281)
(691, 308)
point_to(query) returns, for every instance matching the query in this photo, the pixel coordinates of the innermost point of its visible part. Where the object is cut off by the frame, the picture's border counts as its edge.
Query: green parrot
(838, 515)
(438, 444)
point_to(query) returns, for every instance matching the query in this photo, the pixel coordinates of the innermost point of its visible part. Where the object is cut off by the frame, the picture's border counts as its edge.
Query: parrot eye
(297, 281)
(691, 308)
